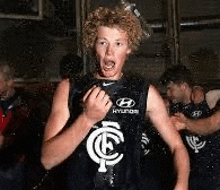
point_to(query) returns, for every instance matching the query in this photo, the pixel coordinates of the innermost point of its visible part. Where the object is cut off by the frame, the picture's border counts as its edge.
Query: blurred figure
(192, 103)
(21, 126)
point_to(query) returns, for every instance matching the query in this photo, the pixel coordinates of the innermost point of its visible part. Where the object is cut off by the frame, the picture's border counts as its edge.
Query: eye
(101, 42)
(119, 44)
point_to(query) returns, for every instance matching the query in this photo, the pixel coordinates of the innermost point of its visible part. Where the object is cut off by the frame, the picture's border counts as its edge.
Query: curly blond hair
(112, 17)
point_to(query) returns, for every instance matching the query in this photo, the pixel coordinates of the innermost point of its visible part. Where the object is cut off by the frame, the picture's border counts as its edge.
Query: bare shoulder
(154, 99)
(153, 93)
(63, 85)
(212, 97)
(61, 94)
(59, 112)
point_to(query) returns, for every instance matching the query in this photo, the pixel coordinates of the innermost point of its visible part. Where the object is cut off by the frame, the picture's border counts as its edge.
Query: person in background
(21, 129)
(190, 106)
(204, 126)
(94, 129)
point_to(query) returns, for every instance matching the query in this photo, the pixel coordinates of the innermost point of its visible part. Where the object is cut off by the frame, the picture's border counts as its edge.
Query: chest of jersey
(113, 141)
(203, 150)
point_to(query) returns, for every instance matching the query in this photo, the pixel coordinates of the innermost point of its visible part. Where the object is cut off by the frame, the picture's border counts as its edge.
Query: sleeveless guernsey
(109, 157)
(204, 150)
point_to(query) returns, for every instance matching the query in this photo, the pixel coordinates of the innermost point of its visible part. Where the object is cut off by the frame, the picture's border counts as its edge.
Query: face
(111, 50)
(175, 92)
(5, 87)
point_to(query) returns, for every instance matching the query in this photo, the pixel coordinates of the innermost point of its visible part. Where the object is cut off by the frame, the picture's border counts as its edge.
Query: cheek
(122, 56)
(168, 93)
(99, 51)
(174, 93)
(98, 55)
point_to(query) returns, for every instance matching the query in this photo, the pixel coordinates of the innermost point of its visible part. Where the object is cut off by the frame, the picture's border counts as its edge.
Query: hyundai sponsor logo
(125, 102)
(130, 111)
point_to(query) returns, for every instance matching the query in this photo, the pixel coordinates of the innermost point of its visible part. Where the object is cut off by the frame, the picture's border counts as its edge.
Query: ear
(184, 86)
(128, 51)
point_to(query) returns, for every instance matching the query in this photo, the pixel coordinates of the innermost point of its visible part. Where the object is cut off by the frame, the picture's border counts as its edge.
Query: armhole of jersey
(71, 87)
(146, 88)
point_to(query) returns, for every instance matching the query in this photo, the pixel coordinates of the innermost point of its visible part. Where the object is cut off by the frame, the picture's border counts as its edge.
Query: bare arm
(204, 126)
(58, 144)
(158, 114)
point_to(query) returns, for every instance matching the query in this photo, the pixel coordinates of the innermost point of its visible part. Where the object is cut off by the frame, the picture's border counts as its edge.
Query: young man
(94, 129)
(199, 109)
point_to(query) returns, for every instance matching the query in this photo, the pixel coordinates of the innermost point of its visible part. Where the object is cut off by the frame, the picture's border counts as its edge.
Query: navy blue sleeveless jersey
(109, 157)
(157, 167)
(204, 150)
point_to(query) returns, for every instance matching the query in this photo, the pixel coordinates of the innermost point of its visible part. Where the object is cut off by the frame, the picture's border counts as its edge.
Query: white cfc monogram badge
(195, 143)
(102, 141)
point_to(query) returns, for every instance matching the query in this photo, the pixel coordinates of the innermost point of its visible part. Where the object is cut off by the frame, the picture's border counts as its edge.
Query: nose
(109, 50)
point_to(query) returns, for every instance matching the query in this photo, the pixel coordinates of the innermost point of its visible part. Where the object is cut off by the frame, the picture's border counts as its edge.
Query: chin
(107, 74)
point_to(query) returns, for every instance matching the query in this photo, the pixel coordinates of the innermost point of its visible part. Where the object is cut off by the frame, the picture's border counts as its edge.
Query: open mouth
(109, 65)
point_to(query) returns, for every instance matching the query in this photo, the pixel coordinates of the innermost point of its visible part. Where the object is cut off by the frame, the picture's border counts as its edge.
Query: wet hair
(71, 65)
(177, 74)
(112, 17)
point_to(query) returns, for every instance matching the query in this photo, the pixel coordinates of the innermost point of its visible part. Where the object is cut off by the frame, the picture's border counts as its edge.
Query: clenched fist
(96, 104)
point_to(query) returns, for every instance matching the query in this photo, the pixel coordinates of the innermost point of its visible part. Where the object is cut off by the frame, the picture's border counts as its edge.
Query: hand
(181, 117)
(96, 104)
(179, 121)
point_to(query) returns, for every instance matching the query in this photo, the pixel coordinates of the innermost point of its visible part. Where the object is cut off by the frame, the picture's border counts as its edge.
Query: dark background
(34, 44)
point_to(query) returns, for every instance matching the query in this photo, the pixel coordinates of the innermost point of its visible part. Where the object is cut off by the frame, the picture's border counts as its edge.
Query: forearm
(61, 146)
(204, 126)
(181, 161)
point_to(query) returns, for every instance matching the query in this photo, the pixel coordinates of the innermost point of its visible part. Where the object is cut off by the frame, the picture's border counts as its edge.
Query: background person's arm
(203, 126)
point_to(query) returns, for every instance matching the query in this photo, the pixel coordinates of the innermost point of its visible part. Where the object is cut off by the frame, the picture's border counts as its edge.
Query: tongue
(109, 65)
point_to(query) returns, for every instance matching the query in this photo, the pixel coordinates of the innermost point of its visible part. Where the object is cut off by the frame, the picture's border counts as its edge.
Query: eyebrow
(101, 38)
(117, 40)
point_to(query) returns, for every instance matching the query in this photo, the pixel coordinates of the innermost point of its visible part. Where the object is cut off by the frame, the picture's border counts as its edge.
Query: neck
(98, 76)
